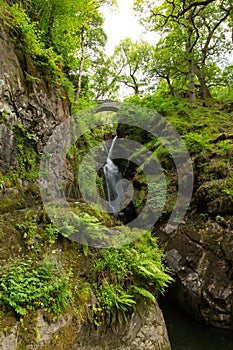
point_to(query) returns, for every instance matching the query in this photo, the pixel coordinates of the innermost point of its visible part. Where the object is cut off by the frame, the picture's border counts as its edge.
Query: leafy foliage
(193, 45)
(64, 40)
(131, 273)
(28, 36)
(129, 65)
(28, 285)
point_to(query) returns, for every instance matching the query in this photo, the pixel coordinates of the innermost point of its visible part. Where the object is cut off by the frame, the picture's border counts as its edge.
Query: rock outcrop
(140, 333)
(35, 105)
(201, 254)
(30, 109)
(200, 251)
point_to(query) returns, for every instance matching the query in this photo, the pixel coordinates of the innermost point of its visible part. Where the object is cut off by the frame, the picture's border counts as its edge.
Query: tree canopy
(191, 59)
(197, 34)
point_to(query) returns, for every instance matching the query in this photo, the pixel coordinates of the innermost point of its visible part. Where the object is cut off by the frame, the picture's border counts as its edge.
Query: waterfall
(112, 182)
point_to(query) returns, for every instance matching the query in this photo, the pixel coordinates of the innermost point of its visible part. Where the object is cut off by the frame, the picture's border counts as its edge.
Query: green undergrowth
(199, 126)
(92, 130)
(27, 156)
(208, 135)
(127, 277)
(28, 285)
(28, 37)
(42, 269)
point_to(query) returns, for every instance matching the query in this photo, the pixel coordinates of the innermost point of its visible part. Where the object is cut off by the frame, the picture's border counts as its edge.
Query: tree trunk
(204, 89)
(81, 65)
(192, 92)
(135, 84)
(171, 88)
(191, 64)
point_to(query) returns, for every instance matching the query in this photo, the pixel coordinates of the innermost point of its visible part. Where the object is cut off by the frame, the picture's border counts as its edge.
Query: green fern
(128, 274)
(144, 293)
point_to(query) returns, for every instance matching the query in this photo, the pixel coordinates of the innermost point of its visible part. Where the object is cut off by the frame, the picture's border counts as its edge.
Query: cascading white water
(112, 181)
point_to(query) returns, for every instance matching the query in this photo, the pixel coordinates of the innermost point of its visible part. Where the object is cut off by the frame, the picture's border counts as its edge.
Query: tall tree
(130, 61)
(169, 62)
(202, 24)
(104, 82)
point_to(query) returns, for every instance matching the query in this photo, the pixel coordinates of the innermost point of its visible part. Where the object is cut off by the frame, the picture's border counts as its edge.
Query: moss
(101, 217)
(65, 339)
(10, 239)
(7, 321)
(4, 116)
(11, 199)
(27, 156)
(27, 334)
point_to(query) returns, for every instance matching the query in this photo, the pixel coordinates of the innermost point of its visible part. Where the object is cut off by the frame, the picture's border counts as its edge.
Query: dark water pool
(187, 334)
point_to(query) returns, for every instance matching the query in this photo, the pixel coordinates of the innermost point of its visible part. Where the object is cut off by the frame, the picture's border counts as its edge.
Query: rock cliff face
(29, 111)
(30, 102)
(201, 257)
(141, 332)
(30, 108)
(200, 251)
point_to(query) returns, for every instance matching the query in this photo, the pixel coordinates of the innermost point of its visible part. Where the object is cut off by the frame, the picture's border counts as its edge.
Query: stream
(187, 334)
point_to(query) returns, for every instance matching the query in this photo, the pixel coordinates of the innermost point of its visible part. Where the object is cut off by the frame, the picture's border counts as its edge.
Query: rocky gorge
(199, 251)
